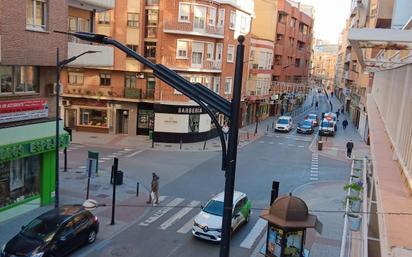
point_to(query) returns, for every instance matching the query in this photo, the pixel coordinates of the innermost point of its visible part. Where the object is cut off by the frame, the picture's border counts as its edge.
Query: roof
(62, 213)
(236, 196)
(284, 117)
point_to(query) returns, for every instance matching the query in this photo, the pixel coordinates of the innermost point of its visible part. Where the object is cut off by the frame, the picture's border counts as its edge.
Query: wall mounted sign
(11, 111)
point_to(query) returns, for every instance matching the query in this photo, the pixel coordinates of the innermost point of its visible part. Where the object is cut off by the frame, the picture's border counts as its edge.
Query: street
(188, 180)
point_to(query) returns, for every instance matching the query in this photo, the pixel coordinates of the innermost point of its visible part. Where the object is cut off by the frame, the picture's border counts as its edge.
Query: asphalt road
(190, 179)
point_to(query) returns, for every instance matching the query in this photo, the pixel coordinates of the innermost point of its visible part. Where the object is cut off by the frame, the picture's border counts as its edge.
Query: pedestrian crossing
(314, 169)
(177, 214)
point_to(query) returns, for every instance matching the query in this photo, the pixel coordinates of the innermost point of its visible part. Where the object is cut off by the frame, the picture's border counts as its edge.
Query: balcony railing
(135, 93)
(186, 64)
(173, 26)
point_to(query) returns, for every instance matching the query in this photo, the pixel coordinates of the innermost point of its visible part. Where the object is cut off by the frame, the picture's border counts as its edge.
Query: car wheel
(91, 237)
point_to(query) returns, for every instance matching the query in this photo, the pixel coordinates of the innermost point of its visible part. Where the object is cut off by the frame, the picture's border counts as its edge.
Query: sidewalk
(322, 199)
(335, 147)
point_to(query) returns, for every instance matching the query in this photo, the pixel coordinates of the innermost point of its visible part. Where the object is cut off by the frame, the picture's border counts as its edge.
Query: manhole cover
(102, 195)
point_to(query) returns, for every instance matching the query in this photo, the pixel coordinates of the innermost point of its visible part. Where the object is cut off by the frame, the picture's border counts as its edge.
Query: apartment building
(260, 60)
(381, 41)
(27, 76)
(324, 63)
(294, 33)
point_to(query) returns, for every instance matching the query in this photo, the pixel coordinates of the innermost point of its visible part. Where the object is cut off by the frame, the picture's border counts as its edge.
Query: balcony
(175, 27)
(90, 5)
(102, 59)
(187, 65)
(134, 93)
(258, 89)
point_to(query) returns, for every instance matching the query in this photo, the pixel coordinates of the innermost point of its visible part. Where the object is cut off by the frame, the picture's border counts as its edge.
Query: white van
(327, 127)
(284, 124)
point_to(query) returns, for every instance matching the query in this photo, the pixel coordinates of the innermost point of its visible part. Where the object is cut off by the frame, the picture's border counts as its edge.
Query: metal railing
(172, 25)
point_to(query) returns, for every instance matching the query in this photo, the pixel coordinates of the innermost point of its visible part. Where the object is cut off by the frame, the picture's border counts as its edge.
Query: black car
(53, 234)
(305, 127)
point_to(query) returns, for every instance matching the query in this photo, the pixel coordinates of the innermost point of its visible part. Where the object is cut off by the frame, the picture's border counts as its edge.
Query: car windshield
(283, 121)
(40, 229)
(306, 123)
(312, 116)
(327, 124)
(214, 207)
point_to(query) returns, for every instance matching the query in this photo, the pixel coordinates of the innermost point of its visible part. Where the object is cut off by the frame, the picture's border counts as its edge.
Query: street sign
(92, 162)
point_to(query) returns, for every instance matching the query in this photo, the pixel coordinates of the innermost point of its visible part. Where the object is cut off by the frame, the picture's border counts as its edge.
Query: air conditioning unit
(66, 103)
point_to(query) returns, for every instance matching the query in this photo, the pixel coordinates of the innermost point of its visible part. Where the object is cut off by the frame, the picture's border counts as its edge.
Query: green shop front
(27, 167)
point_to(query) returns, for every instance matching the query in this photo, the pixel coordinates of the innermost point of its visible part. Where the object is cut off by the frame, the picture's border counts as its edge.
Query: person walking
(154, 187)
(344, 124)
(316, 105)
(331, 106)
(225, 130)
(349, 147)
(342, 110)
(337, 114)
(331, 94)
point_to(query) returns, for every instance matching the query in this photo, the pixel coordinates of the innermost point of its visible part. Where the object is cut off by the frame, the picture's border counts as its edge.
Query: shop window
(19, 179)
(26, 79)
(76, 78)
(105, 79)
(97, 118)
(6, 79)
(36, 14)
(133, 20)
(104, 17)
(146, 119)
(130, 80)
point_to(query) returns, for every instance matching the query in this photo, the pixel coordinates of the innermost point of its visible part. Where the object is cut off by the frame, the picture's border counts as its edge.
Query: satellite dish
(90, 204)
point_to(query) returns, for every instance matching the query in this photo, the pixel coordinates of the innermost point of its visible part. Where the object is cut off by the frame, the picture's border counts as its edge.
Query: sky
(330, 17)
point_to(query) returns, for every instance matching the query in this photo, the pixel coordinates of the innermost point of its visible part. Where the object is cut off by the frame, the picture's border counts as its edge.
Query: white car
(208, 223)
(284, 124)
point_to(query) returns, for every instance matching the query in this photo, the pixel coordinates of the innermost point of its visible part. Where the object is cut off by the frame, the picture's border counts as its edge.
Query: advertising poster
(11, 111)
(274, 242)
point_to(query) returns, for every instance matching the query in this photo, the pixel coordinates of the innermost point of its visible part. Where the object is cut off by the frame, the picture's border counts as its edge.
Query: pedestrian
(331, 106)
(225, 130)
(282, 111)
(344, 124)
(154, 187)
(349, 147)
(342, 110)
(316, 105)
(337, 114)
(331, 94)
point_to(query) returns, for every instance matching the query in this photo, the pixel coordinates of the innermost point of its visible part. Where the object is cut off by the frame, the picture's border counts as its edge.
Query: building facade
(27, 76)
(324, 63)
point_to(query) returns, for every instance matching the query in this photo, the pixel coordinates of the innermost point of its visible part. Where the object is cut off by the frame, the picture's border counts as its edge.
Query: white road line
(313, 175)
(128, 149)
(101, 161)
(261, 142)
(82, 167)
(313, 168)
(186, 227)
(290, 145)
(179, 215)
(315, 165)
(133, 154)
(280, 143)
(254, 234)
(271, 143)
(312, 178)
(301, 146)
(117, 154)
(157, 215)
(111, 156)
(105, 158)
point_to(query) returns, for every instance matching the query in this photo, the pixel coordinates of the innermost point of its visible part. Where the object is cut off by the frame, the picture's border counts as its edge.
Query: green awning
(26, 140)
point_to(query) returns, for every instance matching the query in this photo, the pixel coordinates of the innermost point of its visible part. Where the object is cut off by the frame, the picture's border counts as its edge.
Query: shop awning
(31, 139)
(383, 40)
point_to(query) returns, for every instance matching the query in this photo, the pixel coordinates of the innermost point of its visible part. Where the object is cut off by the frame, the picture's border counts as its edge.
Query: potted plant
(354, 203)
(355, 188)
(355, 221)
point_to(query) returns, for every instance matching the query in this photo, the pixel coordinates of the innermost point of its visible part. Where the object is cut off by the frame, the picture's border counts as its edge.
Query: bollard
(137, 189)
(204, 145)
(181, 142)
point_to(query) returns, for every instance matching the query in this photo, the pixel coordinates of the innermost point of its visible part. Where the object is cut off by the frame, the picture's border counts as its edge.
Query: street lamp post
(59, 66)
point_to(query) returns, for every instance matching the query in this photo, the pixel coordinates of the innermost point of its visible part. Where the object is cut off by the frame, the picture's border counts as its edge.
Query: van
(284, 124)
(327, 127)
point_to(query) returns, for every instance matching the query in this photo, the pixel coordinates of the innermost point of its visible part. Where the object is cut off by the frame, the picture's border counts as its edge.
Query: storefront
(185, 123)
(27, 167)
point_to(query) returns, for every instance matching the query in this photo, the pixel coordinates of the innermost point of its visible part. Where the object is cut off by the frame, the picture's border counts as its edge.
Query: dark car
(305, 127)
(54, 233)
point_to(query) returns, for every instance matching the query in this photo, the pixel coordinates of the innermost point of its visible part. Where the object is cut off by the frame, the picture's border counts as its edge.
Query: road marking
(261, 142)
(117, 154)
(82, 167)
(111, 156)
(312, 178)
(280, 143)
(313, 168)
(106, 158)
(290, 145)
(69, 150)
(133, 154)
(315, 165)
(101, 161)
(271, 143)
(187, 227)
(301, 146)
(158, 214)
(254, 234)
(128, 149)
(313, 175)
(179, 215)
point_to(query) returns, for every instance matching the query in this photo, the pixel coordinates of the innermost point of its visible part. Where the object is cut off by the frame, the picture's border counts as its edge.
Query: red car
(313, 118)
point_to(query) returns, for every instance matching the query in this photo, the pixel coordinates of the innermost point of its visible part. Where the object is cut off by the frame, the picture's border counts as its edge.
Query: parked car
(313, 118)
(54, 233)
(305, 127)
(331, 116)
(284, 124)
(208, 223)
(327, 127)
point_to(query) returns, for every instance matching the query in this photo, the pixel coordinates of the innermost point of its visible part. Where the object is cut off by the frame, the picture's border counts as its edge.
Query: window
(279, 39)
(104, 17)
(152, 17)
(232, 24)
(105, 79)
(297, 62)
(181, 49)
(212, 16)
(26, 79)
(78, 24)
(228, 86)
(199, 17)
(243, 24)
(197, 54)
(221, 18)
(133, 47)
(6, 79)
(130, 80)
(36, 14)
(292, 22)
(97, 118)
(219, 51)
(133, 20)
(282, 17)
(278, 59)
(206, 81)
(230, 53)
(209, 53)
(184, 12)
(76, 78)
(216, 84)
(150, 50)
